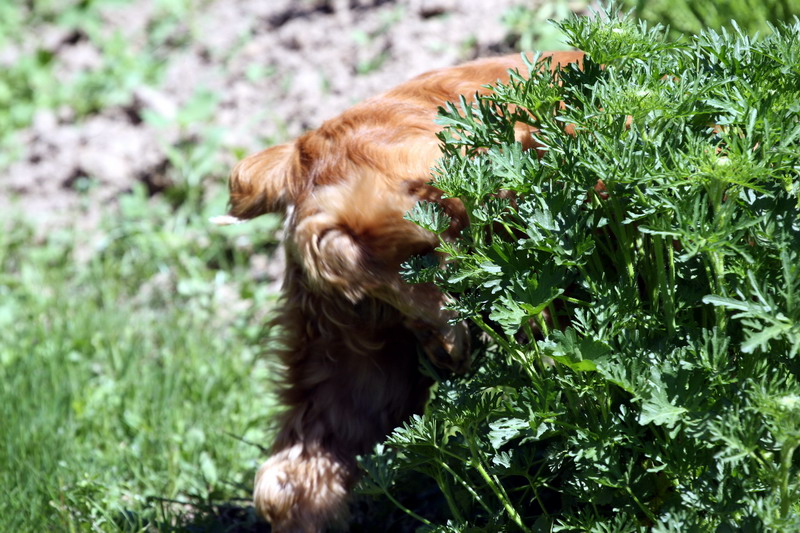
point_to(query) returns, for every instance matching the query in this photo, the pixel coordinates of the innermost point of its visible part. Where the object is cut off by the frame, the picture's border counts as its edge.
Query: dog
(350, 327)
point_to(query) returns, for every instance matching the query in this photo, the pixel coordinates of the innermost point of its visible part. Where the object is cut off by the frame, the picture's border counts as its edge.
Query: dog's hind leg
(347, 384)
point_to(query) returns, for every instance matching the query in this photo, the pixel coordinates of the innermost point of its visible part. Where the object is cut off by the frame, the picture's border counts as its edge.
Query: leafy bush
(642, 337)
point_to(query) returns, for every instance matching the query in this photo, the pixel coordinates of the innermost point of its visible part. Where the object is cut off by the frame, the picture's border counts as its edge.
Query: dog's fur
(351, 328)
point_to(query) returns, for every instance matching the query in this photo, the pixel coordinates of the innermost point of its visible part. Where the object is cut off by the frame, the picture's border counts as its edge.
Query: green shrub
(643, 341)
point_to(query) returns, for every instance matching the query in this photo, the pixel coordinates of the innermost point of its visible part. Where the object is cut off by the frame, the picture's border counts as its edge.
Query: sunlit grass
(130, 380)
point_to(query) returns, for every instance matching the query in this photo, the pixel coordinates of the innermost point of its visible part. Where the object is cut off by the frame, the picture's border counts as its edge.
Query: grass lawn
(133, 392)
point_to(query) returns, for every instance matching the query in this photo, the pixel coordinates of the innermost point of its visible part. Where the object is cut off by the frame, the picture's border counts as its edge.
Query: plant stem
(666, 288)
(406, 510)
(786, 469)
(466, 486)
(718, 282)
(497, 488)
(454, 510)
(644, 509)
(513, 352)
(624, 240)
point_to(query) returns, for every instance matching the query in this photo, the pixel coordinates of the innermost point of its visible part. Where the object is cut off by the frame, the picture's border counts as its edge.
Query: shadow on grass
(368, 513)
(235, 516)
(226, 518)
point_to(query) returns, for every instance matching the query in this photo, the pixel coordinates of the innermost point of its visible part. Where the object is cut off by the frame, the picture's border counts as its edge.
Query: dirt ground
(276, 68)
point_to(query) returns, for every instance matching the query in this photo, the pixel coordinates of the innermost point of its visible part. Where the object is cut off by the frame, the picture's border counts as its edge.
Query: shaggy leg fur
(350, 380)
(301, 487)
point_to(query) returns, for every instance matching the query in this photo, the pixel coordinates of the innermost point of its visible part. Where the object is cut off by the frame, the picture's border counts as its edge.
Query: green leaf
(659, 410)
(580, 355)
(504, 430)
(430, 216)
(509, 314)
(208, 468)
(728, 303)
(763, 337)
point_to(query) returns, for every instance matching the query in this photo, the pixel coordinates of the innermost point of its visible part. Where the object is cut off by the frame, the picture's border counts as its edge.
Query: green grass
(131, 380)
(686, 16)
(133, 394)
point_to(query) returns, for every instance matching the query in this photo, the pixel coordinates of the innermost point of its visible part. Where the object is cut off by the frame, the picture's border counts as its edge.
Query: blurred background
(133, 391)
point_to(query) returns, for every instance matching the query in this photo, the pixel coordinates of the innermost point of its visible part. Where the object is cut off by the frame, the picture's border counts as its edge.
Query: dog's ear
(265, 182)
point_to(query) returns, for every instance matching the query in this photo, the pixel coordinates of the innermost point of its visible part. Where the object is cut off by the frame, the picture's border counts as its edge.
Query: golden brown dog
(350, 326)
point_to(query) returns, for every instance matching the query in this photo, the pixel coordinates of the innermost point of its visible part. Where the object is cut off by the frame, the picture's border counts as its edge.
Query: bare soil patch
(272, 68)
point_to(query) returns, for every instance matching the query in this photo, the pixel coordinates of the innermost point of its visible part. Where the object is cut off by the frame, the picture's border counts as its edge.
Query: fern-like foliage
(643, 342)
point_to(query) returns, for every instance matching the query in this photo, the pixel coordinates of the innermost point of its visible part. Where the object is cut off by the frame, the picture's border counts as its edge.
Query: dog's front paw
(301, 489)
